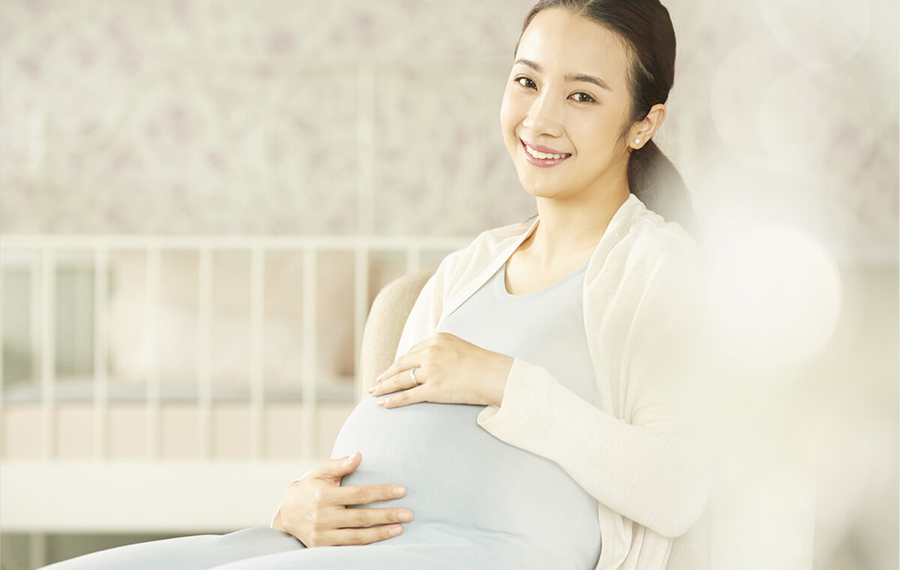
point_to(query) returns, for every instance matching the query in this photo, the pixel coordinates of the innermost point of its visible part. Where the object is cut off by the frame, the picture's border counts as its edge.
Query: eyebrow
(572, 77)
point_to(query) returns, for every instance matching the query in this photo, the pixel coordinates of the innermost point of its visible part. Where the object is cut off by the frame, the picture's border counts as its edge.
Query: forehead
(564, 43)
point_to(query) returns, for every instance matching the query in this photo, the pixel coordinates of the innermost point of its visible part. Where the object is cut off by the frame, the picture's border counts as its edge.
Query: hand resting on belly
(314, 508)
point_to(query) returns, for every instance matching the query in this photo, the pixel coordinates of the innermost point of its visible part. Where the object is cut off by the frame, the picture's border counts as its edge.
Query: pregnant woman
(532, 417)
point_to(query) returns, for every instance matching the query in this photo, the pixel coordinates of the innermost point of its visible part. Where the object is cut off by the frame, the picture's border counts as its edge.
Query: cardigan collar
(502, 242)
(621, 223)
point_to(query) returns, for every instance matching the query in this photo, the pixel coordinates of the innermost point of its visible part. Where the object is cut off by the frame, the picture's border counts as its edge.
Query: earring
(637, 141)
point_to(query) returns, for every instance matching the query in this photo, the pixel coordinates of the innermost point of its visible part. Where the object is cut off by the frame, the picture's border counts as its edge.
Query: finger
(352, 536)
(364, 494)
(404, 398)
(334, 469)
(392, 370)
(403, 380)
(362, 518)
(404, 363)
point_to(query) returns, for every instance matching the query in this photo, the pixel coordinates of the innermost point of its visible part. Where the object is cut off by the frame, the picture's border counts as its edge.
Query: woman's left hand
(448, 370)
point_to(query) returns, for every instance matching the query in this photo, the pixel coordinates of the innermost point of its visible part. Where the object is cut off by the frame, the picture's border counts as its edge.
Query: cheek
(596, 135)
(506, 114)
(510, 114)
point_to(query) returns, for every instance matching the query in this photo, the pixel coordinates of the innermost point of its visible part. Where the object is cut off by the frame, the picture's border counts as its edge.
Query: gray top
(505, 507)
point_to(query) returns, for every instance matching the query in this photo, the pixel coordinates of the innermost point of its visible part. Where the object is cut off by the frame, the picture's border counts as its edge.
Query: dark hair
(647, 30)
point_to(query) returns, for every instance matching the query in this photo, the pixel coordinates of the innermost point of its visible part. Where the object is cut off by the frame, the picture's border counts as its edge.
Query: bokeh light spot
(775, 296)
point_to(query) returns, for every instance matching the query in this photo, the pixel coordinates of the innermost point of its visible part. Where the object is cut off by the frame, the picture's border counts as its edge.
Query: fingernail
(372, 389)
(383, 403)
(395, 530)
(351, 458)
(405, 516)
(398, 491)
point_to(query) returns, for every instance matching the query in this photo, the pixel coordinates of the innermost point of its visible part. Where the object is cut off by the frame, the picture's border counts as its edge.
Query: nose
(545, 116)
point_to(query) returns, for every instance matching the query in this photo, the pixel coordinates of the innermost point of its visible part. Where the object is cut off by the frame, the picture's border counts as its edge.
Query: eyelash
(529, 84)
(589, 98)
(521, 79)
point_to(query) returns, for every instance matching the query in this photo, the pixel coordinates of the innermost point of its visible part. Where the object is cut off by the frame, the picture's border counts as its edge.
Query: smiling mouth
(538, 155)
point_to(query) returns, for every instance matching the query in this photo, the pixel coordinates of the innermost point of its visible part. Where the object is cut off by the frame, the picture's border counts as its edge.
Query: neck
(572, 228)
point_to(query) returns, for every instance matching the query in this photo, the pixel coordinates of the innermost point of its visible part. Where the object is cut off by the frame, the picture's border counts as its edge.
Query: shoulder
(654, 245)
(653, 266)
(672, 283)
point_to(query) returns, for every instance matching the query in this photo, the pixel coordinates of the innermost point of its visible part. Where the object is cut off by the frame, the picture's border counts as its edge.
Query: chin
(542, 183)
(541, 190)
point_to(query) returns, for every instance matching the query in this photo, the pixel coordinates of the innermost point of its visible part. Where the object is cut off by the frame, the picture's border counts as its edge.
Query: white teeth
(543, 155)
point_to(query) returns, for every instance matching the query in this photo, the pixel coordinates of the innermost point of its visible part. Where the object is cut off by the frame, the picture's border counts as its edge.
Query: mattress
(76, 419)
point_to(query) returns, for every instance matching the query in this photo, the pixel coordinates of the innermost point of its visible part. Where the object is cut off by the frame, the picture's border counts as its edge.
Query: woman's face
(565, 105)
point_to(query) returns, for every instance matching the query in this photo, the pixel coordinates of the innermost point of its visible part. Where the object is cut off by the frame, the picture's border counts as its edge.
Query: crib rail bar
(48, 350)
(257, 342)
(3, 310)
(360, 307)
(101, 353)
(308, 374)
(204, 384)
(34, 311)
(37, 549)
(240, 243)
(154, 427)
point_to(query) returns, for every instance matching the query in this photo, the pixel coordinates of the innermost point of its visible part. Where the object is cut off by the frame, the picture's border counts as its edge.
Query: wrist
(496, 388)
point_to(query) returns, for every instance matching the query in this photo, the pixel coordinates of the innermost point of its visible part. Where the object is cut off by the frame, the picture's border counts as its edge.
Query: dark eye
(525, 82)
(582, 97)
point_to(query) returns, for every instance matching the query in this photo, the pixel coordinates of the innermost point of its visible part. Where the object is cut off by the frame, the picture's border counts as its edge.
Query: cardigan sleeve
(648, 469)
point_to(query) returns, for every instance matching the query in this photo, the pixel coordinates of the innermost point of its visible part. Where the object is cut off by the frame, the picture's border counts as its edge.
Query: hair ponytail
(657, 183)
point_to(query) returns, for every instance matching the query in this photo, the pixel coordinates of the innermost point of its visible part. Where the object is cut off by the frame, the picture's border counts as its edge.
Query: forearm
(654, 481)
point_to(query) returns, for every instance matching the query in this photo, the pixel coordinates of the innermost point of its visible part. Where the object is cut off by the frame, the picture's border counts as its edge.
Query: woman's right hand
(314, 508)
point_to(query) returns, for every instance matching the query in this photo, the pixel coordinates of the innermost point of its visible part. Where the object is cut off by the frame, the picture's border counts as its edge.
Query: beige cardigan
(631, 449)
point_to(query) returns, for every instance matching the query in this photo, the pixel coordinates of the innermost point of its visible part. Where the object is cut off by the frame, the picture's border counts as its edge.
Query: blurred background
(199, 201)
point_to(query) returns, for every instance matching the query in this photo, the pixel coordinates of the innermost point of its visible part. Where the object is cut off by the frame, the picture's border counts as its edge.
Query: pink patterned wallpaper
(359, 117)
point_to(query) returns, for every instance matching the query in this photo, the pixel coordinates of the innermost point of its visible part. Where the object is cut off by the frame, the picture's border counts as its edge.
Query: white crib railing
(48, 494)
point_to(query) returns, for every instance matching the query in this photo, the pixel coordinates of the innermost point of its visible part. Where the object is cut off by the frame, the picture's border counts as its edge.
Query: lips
(540, 155)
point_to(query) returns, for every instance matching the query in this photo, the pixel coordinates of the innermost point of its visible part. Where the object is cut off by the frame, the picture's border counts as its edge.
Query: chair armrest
(384, 325)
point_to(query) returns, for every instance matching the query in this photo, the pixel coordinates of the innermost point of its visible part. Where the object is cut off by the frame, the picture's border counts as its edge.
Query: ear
(643, 130)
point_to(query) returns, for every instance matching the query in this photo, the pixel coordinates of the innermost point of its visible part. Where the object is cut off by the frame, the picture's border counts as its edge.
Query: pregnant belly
(463, 481)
